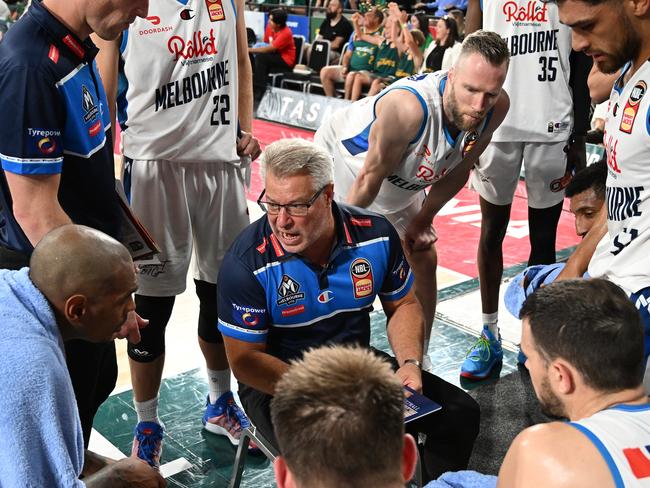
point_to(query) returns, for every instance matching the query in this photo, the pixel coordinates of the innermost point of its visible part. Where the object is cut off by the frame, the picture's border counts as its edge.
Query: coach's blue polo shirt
(268, 295)
(55, 120)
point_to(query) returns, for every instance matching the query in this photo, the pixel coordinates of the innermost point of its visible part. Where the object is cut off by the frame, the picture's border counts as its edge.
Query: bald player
(584, 343)
(79, 286)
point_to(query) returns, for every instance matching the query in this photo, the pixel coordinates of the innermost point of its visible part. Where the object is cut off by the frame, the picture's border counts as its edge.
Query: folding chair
(320, 56)
(242, 451)
(299, 42)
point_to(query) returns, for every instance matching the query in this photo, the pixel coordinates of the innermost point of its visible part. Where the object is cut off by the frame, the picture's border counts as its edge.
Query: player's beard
(458, 118)
(551, 405)
(628, 49)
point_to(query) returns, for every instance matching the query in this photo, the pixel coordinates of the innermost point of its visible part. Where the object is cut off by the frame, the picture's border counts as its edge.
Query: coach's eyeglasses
(293, 209)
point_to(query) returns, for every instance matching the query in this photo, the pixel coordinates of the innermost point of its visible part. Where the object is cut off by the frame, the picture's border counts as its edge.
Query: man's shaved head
(87, 277)
(76, 259)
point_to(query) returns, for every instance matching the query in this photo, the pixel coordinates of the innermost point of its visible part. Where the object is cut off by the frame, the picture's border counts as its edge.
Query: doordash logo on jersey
(196, 47)
(533, 12)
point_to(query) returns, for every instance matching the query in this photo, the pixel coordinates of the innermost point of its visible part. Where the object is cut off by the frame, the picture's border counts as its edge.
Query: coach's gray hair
(289, 157)
(488, 44)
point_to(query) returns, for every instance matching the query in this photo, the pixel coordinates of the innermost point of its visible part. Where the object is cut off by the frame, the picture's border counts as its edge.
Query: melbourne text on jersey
(533, 42)
(192, 87)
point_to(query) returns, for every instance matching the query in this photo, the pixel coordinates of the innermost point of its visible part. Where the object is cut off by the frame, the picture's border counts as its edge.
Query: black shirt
(343, 28)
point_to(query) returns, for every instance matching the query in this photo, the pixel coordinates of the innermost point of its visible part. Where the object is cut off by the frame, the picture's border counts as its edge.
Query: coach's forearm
(405, 331)
(259, 370)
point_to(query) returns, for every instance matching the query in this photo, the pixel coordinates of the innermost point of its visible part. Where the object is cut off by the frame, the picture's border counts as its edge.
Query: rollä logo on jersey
(199, 46)
(533, 13)
(289, 291)
(361, 274)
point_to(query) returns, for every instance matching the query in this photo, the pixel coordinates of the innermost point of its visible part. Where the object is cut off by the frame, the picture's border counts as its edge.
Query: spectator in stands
(338, 418)
(584, 343)
(335, 28)
(359, 56)
(408, 44)
(385, 60)
(459, 17)
(278, 56)
(420, 22)
(442, 54)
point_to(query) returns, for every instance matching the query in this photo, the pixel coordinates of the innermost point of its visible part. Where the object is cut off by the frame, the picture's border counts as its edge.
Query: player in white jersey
(186, 120)
(617, 36)
(425, 131)
(583, 340)
(536, 132)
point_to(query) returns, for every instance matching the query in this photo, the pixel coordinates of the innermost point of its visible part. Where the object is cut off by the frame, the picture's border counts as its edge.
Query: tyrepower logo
(196, 47)
(532, 12)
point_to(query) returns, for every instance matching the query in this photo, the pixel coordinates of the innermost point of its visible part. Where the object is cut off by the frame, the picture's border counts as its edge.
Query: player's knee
(150, 347)
(207, 327)
(152, 344)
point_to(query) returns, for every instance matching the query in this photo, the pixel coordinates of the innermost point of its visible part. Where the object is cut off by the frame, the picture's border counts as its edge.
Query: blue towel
(541, 274)
(464, 479)
(41, 442)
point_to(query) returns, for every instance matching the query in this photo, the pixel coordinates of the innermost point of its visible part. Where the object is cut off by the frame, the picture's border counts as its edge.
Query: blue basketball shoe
(147, 443)
(483, 356)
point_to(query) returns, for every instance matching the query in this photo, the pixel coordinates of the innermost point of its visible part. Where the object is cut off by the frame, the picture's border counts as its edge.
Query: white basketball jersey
(182, 96)
(622, 436)
(538, 75)
(627, 142)
(430, 155)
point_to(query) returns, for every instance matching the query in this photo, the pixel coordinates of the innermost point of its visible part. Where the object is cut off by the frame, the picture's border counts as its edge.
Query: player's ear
(638, 8)
(283, 476)
(409, 457)
(329, 193)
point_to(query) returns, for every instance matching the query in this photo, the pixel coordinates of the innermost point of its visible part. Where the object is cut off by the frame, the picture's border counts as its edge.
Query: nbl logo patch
(470, 142)
(215, 10)
(362, 281)
(631, 107)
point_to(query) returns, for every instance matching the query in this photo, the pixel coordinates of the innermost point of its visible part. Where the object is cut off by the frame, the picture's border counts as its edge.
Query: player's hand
(134, 472)
(419, 236)
(247, 145)
(411, 376)
(131, 328)
(576, 154)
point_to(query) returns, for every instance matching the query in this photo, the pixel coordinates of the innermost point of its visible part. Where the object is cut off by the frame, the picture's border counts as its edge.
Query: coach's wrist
(414, 361)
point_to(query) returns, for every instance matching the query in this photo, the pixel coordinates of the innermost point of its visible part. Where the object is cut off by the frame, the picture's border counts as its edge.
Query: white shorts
(186, 207)
(496, 175)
